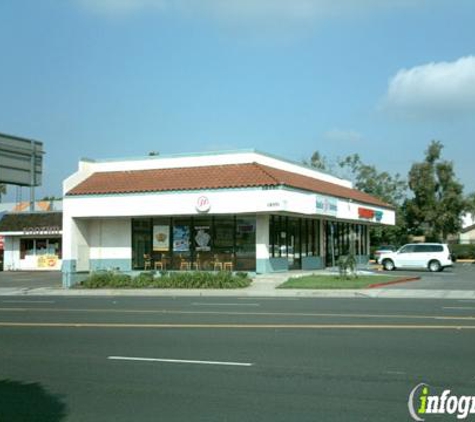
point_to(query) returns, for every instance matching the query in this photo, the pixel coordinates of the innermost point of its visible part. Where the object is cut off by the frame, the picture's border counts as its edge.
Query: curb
(399, 281)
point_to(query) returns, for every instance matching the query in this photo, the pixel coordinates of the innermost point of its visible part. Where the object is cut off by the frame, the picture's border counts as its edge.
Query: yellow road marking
(277, 314)
(241, 326)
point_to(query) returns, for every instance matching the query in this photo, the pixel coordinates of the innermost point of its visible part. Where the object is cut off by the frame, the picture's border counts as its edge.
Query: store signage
(2, 243)
(326, 205)
(34, 231)
(369, 214)
(203, 204)
(161, 238)
(47, 261)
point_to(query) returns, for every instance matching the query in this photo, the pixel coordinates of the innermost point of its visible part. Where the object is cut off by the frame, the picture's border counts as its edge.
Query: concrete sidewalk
(262, 286)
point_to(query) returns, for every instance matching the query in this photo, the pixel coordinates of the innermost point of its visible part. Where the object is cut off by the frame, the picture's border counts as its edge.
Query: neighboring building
(467, 234)
(241, 211)
(31, 240)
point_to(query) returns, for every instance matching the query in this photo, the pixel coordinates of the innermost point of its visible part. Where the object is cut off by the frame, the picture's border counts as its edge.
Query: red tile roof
(212, 177)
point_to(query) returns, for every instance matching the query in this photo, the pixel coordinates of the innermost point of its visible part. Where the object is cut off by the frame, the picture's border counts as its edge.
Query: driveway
(30, 279)
(460, 277)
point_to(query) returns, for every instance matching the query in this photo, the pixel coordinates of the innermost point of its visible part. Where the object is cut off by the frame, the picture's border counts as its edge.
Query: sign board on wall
(326, 205)
(161, 238)
(21, 161)
(369, 214)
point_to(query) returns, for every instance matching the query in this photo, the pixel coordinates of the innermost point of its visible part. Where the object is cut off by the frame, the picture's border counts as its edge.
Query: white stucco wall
(221, 202)
(110, 239)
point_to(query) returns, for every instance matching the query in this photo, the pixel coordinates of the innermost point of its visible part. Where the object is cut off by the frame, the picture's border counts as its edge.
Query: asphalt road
(233, 359)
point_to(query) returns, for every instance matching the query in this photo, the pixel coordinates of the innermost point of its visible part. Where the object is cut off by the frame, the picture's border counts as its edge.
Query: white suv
(433, 256)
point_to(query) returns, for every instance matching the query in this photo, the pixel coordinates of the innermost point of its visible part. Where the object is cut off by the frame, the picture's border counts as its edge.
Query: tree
(437, 204)
(367, 178)
(470, 204)
(318, 161)
(3, 190)
(382, 185)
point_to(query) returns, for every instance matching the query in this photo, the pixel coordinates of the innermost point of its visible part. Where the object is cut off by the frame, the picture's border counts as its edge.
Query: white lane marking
(195, 362)
(269, 298)
(224, 304)
(395, 372)
(458, 307)
(28, 301)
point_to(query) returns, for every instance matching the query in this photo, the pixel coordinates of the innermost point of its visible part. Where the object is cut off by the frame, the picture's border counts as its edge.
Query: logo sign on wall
(368, 214)
(326, 205)
(203, 204)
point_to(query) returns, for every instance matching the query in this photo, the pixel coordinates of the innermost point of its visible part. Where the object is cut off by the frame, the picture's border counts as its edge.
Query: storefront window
(203, 243)
(181, 242)
(141, 241)
(37, 247)
(245, 244)
(197, 243)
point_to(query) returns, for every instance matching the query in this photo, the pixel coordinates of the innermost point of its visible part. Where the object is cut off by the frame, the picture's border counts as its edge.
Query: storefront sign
(181, 238)
(47, 261)
(203, 204)
(161, 238)
(202, 238)
(33, 231)
(369, 214)
(326, 205)
(2, 243)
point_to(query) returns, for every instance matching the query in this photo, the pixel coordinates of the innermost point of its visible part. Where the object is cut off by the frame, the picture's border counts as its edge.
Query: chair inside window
(197, 263)
(229, 264)
(217, 264)
(184, 264)
(147, 262)
(161, 263)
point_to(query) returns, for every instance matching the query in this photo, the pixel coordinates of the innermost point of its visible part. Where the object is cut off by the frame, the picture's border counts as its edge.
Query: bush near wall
(463, 251)
(164, 280)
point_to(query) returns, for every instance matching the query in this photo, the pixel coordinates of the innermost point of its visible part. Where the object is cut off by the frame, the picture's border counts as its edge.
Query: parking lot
(460, 277)
(30, 279)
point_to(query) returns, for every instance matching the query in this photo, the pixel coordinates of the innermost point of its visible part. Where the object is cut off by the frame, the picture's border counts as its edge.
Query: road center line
(194, 362)
(224, 304)
(28, 301)
(238, 326)
(459, 307)
(237, 313)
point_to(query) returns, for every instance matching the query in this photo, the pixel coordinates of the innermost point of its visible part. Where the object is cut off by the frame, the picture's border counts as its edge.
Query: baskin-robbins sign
(326, 205)
(203, 204)
(369, 214)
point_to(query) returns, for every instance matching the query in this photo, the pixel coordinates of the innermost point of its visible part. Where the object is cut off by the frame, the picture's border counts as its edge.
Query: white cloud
(433, 89)
(339, 135)
(245, 12)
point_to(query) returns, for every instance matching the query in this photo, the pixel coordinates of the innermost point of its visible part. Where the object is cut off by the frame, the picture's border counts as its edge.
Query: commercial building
(239, 211)
(31, 240)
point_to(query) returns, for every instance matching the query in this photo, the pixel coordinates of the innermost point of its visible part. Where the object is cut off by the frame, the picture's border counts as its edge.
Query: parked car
(383, 249)
(433, 256)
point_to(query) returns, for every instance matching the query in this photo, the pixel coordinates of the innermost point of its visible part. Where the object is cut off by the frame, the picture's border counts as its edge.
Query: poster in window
(181, 239)
(161, 238)
(202, 238)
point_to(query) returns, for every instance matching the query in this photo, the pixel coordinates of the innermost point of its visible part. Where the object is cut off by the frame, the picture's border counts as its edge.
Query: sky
(120, 78)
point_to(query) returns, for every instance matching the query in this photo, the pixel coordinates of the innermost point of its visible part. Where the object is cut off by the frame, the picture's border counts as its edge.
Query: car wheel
(434, 266)
(388, 265)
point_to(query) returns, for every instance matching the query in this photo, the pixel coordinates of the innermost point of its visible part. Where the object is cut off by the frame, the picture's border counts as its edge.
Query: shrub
(464, 251)
(164, 280)
(99, 279)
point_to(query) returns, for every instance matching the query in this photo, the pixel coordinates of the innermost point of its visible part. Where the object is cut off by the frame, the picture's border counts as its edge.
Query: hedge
(464, 251)
(166, 280)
